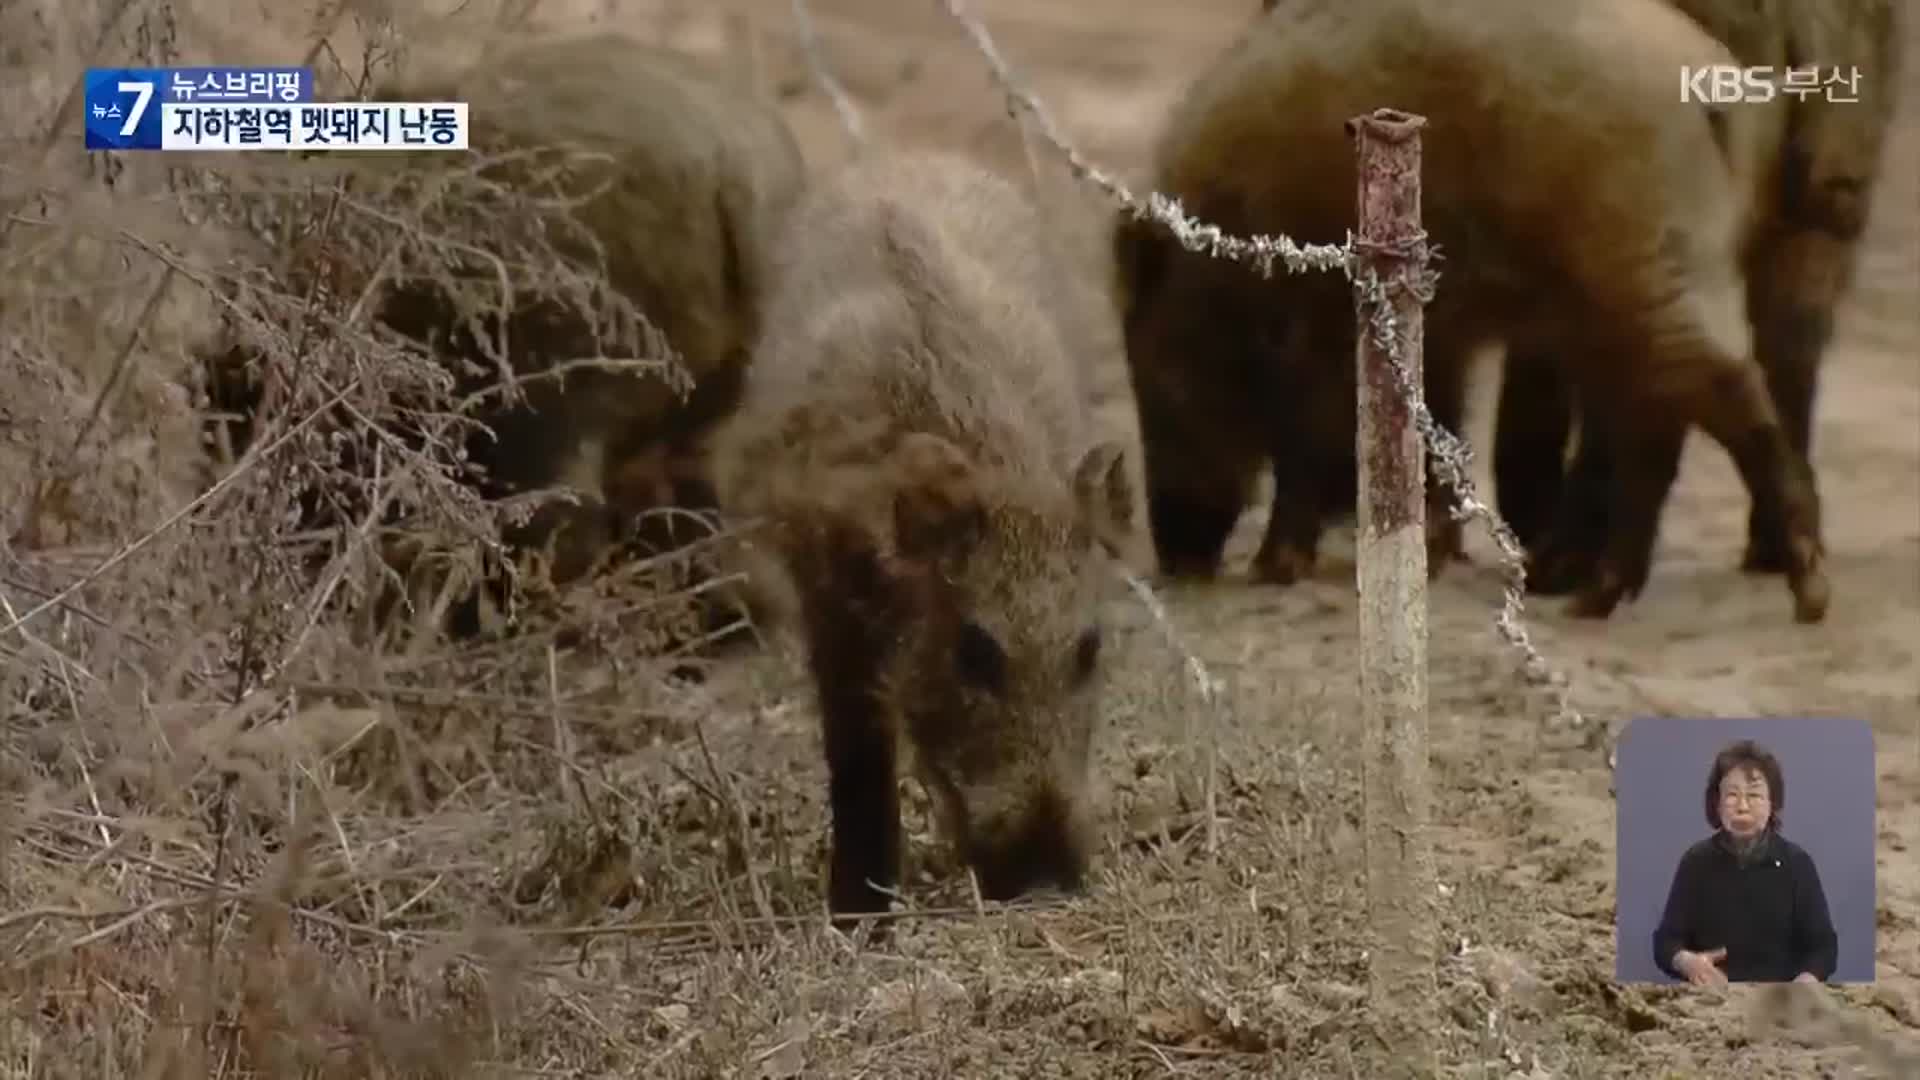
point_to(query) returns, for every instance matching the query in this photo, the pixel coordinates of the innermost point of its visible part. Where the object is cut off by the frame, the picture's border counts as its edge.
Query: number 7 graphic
(142, 95)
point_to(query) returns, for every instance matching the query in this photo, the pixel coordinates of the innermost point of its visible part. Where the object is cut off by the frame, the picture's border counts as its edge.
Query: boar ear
(1104, 493)
(937, 508)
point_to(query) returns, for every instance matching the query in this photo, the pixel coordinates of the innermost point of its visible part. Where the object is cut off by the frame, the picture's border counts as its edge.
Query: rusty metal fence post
(1391, 556)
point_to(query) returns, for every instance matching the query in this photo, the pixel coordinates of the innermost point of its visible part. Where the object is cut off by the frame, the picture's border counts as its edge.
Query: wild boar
(691, 171)
(1799, 264)
(1548, 124)
(913, 458)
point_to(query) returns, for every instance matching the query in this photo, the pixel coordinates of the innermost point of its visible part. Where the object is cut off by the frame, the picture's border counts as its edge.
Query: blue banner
(123, 105)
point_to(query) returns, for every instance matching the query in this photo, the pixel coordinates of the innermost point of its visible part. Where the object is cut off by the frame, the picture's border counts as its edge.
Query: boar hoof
(1444, 546)
(1282, 564)
(1188, 571)
(879, 931)
(849, 911)
(1598, 598)
(1764, 557)
(1811, 590)
(1556, 571)
(1810, 600)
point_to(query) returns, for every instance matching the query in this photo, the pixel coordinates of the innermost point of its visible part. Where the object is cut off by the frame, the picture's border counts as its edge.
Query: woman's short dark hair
(1747, 754)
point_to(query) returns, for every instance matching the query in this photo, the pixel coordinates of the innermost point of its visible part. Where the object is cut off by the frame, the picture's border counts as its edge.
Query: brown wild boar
(1799, 264)
(1549, 123)
(693, 173)
(913, 460)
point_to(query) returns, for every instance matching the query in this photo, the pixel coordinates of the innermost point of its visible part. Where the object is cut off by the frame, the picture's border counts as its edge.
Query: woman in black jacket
(1746, 904)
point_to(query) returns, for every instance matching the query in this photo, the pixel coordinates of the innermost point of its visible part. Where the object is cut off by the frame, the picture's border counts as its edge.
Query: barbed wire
(1194, 235)
(811, 49)
(1452, 459)
(1452, 456)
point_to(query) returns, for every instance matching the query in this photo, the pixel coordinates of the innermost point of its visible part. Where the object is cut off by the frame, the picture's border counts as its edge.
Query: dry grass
(241, 835)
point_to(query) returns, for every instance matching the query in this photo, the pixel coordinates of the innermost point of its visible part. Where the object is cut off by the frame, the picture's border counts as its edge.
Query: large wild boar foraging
(1799, 265)
(915, 463)
(1599, 227)
(677, 176)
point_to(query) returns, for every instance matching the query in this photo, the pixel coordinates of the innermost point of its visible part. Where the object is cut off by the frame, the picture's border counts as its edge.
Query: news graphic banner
(254, 108)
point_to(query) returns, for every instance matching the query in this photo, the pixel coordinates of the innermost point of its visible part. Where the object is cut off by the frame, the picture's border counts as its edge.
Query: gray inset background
(1660, 779)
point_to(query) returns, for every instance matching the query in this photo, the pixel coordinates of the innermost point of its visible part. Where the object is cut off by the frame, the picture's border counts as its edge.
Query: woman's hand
(1701, 969)
(1806, 977)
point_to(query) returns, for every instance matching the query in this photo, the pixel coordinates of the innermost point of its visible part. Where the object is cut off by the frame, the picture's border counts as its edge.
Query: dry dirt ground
(1249, 961)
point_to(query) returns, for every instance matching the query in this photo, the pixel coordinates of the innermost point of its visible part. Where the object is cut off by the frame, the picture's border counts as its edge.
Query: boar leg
(861, 759)
(1795, 289)
(1636, 460)
(843, 602)
(1306, 418)
(1197, 488)
(1559, 508)
(1781, 484)
(1564, 557)
(1791, 302)
(1446, 395)
(1531, 428)
(1291, 543)
(1791, 343)
(1830, 169)
(1727, 395)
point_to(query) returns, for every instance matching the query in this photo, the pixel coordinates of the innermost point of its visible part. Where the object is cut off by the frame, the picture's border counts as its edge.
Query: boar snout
(1041, 847)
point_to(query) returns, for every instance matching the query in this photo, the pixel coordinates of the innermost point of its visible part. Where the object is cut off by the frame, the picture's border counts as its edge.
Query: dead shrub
(242, 829)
